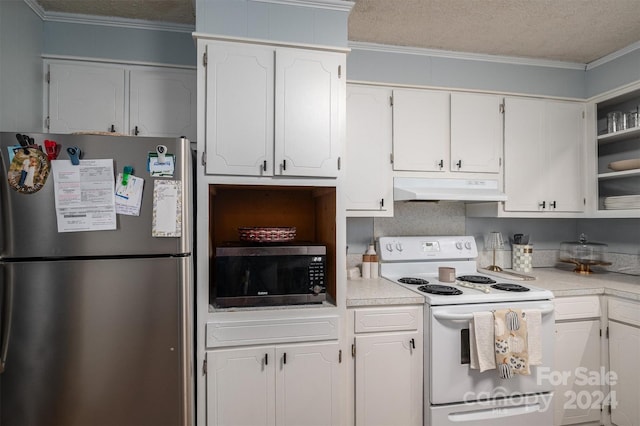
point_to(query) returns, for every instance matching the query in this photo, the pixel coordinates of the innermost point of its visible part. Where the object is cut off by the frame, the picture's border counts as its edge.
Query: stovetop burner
(412, 280)
(476, 279)
(509, 287)
(444, 290)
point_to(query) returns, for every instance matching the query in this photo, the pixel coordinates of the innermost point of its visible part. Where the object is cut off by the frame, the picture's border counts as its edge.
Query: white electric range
(414, 263)
(453, 392)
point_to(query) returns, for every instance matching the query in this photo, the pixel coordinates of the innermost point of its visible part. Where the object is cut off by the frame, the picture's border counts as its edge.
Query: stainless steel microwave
(269, 275)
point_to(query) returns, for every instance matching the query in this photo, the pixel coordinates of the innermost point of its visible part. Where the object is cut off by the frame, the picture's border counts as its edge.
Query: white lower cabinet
(292, 385)
(388, 367)
(624, 356)
(577, 356)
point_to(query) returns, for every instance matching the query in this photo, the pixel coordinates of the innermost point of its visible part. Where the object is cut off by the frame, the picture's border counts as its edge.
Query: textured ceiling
(566, 30)
(174, 11)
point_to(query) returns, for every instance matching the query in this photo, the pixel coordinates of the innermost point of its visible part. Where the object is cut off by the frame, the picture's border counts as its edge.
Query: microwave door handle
(6, 286)
(544, 310)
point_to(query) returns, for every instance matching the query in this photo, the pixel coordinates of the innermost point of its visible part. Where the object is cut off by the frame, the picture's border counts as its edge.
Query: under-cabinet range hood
(427, 189)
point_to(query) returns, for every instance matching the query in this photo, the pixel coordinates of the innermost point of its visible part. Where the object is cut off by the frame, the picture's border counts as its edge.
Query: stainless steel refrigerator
(95, 325)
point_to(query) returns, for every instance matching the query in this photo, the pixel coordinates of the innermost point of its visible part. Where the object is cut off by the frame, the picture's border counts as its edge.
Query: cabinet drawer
(577, 307)
(622, 310)
(286, 330)
(388, 319)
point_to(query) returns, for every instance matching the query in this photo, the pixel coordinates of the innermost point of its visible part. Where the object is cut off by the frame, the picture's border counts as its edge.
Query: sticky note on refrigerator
(167, 208)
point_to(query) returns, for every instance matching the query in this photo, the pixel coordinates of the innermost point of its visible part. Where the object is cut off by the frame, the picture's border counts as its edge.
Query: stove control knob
(459, 245)
(467, 245)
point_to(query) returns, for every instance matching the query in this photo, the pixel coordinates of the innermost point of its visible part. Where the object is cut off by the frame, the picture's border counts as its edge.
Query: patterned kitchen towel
(511, 352)
(481, 341)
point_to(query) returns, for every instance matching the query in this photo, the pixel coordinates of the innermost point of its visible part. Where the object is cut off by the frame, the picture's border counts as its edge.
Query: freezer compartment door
(99, 342)
(28, 224)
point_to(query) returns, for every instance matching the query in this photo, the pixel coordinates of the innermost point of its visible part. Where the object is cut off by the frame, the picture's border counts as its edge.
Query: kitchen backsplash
(448, 218)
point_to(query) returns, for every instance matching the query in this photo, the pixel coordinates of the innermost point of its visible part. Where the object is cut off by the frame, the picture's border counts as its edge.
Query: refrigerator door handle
(6, 285)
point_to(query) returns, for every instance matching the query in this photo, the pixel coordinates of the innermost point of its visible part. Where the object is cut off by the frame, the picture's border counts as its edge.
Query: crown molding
(340, 5)
(465, 55)
(612, 56)
(111, 21)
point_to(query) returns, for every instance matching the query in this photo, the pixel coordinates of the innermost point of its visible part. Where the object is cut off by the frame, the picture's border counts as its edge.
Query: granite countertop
(562, 282)
(379, 291)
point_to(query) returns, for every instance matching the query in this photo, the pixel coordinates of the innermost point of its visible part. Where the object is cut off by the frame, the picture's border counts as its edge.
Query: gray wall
(119, 43)
(272, 21)
(21, 79)
(615, 73)
(423, 69)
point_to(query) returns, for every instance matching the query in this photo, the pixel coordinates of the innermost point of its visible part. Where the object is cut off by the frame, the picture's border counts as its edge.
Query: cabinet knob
(382, 203)
(284, 164)
(459, 164)
(542, 204)
(113, 128)
(266, 359)
(441, 164)
(413, 343)
(264, 166)
(136, 131)
(552, 204)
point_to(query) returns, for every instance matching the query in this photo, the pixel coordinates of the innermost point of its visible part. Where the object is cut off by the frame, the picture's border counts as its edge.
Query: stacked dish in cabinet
(619, 153)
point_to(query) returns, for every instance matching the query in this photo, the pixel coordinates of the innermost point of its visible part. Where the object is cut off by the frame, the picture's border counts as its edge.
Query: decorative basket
(267, 234)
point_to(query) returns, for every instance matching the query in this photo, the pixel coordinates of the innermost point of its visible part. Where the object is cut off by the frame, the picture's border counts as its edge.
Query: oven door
(451, 379)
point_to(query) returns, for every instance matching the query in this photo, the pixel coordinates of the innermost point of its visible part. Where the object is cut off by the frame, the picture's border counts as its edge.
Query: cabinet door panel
(564, 133)
(86, 98)
(388, 379)
(624, 352)
(307, 128)
(577, 346)
(476, 133)
(240, 387)
(307, 384)
(421, 132)
(524, 180)
(368, 179)
(162, 103)
(239, 104)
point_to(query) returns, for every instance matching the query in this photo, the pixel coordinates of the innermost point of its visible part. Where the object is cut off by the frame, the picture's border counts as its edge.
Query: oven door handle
(545, 309)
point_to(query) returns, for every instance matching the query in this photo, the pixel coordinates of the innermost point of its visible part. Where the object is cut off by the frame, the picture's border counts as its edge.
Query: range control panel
(426, 248)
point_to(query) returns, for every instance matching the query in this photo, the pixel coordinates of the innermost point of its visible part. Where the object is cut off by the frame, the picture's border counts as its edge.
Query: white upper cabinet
(86, 97)
(368, 179)
(476, 133)
(307, 131)
(544, 155)
(420, 130)
(437, 131)
(132, 100)
(273, 111)
(162, 103)
(239, 131)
